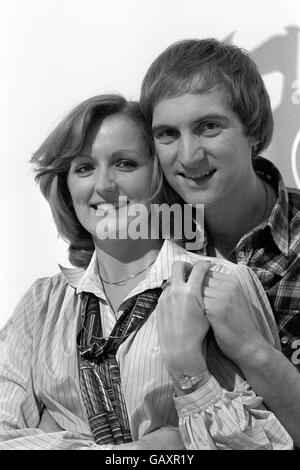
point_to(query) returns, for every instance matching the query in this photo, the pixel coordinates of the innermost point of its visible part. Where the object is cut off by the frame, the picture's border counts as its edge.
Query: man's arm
(231, 315)
(277, 380)
(211, 417)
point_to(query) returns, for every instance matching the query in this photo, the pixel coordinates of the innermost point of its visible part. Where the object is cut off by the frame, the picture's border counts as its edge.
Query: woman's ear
(253, 142)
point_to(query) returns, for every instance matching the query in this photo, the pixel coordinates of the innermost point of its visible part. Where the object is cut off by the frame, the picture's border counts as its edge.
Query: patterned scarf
(100, 381)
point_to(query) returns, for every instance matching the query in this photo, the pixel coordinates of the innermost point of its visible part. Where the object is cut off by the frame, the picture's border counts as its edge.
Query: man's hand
(229, 313)
(182, 325)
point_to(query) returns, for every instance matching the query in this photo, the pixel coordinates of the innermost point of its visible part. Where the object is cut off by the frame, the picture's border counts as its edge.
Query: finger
(218, 280)
(209, 304)
(209, 293)
(216, 291)
(198, 273)
(180, 271)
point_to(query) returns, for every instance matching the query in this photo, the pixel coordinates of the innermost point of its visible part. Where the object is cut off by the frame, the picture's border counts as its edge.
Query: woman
(84, 344)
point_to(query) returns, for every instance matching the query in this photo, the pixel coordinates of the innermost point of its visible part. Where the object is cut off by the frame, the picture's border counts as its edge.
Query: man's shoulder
(294, 200)
(294, 214)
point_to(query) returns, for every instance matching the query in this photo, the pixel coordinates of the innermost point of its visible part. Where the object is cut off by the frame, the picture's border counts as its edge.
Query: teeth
(109, 207)
(198, 176)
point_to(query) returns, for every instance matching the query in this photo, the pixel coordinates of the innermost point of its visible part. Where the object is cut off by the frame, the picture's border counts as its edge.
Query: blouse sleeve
(20, 409)
(213, 418)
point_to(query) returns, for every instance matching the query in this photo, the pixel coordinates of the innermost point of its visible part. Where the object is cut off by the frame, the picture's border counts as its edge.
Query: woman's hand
(182, 324)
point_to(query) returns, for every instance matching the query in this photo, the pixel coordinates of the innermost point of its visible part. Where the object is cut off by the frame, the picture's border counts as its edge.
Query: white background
(55, 53)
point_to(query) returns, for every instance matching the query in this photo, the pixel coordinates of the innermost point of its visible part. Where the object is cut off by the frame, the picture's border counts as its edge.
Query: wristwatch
(187, 381)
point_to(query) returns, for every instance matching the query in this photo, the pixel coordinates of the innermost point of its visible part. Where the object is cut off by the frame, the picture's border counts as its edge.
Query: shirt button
(241, 254)
(284, 340)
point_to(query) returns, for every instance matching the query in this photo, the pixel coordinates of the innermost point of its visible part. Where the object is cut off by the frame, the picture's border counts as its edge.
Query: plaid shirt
(272, 251)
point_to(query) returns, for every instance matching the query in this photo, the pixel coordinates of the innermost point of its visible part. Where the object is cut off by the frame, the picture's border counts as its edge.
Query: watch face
(186, 382)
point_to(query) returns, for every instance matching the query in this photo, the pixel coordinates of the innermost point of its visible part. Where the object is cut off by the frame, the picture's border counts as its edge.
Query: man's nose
(190, 151)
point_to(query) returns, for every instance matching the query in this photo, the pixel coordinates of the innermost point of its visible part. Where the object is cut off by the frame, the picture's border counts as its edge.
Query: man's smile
(197, 176)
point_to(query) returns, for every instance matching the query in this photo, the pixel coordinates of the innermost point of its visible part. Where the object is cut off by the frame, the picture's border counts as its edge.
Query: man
(211, 119)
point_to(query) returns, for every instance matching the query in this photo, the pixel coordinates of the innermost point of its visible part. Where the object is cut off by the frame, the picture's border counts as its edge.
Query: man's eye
(166, 135)
(210, 128)
(211, 125)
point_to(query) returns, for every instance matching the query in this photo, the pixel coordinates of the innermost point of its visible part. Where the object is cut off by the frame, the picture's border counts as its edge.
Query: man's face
(202, 147)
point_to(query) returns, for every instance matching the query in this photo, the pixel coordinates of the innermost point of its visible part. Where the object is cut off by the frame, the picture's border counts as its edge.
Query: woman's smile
(113, 172)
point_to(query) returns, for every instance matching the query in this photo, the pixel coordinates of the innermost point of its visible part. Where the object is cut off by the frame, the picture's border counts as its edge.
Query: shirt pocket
(289, 332)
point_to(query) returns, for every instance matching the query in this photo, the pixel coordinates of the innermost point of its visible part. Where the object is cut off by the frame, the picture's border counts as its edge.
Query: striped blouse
(39, 367)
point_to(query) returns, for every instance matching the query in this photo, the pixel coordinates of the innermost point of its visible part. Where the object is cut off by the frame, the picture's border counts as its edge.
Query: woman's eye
(126, 165)
(83, 169)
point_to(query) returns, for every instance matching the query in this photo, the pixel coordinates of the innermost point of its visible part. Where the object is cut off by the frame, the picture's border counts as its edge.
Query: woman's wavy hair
(196, 66)
(53, 159)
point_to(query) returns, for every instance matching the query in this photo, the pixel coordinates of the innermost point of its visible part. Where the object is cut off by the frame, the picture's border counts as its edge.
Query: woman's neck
(124, 267)
(123, 259)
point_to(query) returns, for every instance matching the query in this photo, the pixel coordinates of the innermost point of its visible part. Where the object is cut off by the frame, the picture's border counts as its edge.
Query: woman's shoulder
(44, 287)
(51, 285)
(44, 295)
(242, 272)
(218, 264)
(43, 306)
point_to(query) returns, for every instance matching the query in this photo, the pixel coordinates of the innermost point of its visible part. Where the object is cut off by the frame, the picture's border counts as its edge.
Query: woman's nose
(104, 182)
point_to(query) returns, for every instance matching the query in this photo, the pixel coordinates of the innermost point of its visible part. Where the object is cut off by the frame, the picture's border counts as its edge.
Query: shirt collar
(85, 280)
(278, 220)
(162, 268)
(88, 280)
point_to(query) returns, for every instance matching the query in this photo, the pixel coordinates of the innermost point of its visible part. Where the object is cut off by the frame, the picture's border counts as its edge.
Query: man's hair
(197, 66)
(53, 160)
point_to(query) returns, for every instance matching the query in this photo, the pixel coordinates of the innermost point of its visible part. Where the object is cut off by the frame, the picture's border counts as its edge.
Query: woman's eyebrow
(126, 152)
(83, 155)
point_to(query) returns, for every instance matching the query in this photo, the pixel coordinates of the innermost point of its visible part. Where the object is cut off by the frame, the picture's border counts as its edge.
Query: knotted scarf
(100, 381)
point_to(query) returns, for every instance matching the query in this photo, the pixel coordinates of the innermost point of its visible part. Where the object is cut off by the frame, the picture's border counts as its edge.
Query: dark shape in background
(280, 53)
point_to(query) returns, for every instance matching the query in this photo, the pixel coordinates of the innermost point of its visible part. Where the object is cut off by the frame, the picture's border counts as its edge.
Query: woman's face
(111, 174)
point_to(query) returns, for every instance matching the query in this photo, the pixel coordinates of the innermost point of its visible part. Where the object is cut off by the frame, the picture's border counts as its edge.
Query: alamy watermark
(296, 94)
(296, 354)
(125, 219)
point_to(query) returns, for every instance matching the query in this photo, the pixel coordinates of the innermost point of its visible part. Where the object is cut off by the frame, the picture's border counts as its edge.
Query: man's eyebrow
(203, 117)
(160, 127)
(207, 116)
